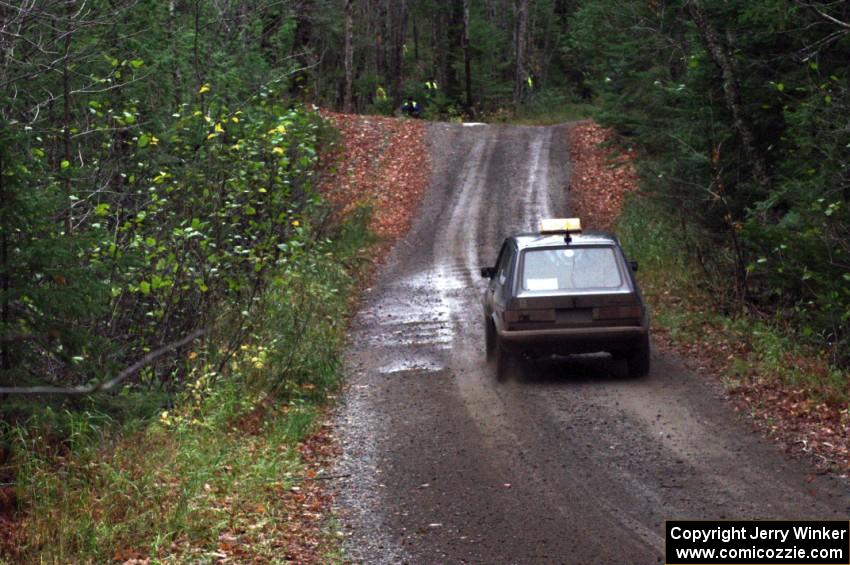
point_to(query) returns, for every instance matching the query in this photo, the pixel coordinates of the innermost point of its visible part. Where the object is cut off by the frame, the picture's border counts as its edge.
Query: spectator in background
(411, 108)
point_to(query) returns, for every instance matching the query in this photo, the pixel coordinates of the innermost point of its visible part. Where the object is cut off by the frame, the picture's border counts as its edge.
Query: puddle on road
(415, 333)
(421, 310)
(411, 364)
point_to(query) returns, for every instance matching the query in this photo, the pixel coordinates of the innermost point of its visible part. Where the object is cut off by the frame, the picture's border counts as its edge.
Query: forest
(161, 164)
(130, 118)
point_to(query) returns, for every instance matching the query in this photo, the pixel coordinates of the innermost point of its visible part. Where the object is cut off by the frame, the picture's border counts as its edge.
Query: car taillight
(616, 312)
(514, 316)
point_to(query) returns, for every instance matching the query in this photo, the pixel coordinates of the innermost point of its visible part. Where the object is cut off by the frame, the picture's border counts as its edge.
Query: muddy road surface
(572, 462)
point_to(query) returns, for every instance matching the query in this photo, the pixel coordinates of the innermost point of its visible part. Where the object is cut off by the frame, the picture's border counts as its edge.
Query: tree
(520, 45)
(466, 59)
(739, 109)
(349, 56)
(398, 30)
(731, 90)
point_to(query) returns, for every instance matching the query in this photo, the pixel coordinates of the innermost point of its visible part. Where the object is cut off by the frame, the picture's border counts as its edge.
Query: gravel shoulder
(571, 462)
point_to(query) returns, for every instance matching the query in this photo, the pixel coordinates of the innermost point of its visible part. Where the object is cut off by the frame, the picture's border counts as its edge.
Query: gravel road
(571, 463)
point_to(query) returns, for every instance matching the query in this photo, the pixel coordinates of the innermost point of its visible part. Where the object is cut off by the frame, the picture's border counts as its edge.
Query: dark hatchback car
(561, 292)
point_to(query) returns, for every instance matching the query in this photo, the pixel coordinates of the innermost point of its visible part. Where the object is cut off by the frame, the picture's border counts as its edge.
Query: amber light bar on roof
(560, 225)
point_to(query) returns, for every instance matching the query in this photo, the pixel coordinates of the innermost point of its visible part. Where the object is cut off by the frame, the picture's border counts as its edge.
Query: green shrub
(91, 488)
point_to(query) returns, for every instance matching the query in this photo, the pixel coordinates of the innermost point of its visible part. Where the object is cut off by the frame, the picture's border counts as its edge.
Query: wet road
(571, 463)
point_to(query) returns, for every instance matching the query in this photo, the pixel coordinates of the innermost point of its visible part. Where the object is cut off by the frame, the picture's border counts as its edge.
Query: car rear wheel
(507, 362)
(490, 339)
(638, 360)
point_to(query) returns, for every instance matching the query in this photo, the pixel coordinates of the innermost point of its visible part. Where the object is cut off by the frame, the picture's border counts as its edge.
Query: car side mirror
(488, 272)
(634, 266)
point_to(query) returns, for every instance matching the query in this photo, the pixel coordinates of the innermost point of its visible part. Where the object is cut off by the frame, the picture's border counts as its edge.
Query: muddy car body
(564, 293)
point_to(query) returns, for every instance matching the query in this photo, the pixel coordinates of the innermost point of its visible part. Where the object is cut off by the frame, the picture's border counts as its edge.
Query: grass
(548, 116)
(213, 471)
(685, 308)
(154, 493)
(548, 107)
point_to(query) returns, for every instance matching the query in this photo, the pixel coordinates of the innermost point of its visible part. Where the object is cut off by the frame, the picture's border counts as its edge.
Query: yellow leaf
(204, 88)
(218, 127)
(234, 119)
(296, 223)
(212, 135)
(278, 150)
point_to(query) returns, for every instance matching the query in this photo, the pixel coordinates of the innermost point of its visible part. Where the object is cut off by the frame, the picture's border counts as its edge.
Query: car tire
(507, 363)
(490, 339)
(638, 360)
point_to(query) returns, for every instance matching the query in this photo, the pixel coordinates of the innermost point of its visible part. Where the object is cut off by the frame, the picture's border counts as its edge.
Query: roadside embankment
(792, 393)
(381, 163)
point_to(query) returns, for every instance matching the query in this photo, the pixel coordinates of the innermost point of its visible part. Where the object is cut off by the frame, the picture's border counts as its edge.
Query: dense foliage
(741, 112)
(157, 161)
(158, 172)
(218, 462)
(154, 169)
(419, 49)
(154, 162)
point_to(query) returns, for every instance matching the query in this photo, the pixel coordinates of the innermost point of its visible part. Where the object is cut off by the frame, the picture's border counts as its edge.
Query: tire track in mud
(572, 462)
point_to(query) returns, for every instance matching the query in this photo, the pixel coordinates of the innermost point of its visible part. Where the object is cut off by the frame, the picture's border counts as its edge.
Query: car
(562, 291)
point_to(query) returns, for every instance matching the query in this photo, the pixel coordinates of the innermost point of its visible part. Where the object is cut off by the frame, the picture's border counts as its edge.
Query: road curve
(571, 463)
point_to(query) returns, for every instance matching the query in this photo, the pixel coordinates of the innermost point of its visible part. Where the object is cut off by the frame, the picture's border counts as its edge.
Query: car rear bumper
(574, 340)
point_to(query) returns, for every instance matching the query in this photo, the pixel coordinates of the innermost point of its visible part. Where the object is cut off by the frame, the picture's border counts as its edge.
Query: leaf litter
(382, 163)
(794, 417)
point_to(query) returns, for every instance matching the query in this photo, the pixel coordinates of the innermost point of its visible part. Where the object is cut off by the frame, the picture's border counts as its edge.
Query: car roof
(528, 240)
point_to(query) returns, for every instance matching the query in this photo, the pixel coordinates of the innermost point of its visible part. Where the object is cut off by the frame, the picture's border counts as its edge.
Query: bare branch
(825, 16)
(110, 384)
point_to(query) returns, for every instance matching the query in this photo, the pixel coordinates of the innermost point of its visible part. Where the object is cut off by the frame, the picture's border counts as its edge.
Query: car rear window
(570, 268)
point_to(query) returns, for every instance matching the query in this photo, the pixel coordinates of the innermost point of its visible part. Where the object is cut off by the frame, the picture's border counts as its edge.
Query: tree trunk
(562, 12)
(349, 57)
(271, 19)
(196, 55)
(454, 89)
(520, 38)
(732, 93)
(398, 26)
(381, 40)
(66, 129)
(490, 11)
(301, 46)
(415, 38)
(438, 44)
(466, 64)
(5, 355)
(176, 87)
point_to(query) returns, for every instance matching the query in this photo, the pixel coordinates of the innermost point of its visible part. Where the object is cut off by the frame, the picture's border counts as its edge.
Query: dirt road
(574, 462)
